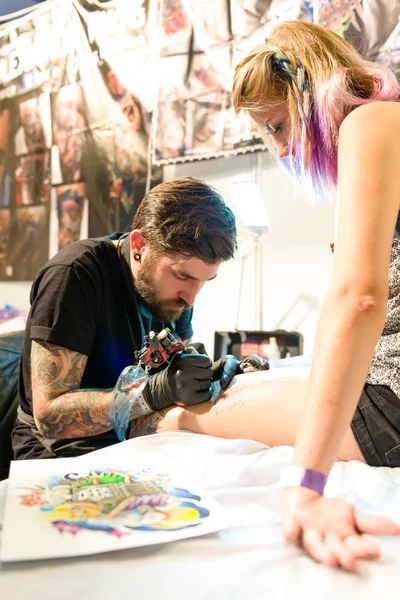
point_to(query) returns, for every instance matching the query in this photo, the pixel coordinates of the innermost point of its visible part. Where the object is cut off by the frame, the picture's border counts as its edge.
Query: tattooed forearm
(77, 414)
(60, 408)
(56, 370)
(146, 425)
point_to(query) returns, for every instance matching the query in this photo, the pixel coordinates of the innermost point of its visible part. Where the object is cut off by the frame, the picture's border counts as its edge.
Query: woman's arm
(351, 321)
(353, 314)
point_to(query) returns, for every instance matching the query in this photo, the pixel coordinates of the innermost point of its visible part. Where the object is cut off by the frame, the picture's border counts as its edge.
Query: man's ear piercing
(137, 256)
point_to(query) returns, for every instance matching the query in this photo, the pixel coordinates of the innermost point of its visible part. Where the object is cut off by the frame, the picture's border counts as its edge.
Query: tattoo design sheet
(70, 507)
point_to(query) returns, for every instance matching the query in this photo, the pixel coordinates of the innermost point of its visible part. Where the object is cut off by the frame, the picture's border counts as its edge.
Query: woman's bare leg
(265, 406)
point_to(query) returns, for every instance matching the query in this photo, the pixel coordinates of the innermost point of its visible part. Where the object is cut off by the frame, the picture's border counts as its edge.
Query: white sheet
(246, 562)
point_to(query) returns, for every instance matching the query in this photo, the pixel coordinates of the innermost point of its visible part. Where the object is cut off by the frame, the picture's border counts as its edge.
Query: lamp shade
(249, 204)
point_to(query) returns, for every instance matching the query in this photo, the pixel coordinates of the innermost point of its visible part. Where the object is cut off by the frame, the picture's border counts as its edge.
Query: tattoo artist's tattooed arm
(60, 408)
(147, 424)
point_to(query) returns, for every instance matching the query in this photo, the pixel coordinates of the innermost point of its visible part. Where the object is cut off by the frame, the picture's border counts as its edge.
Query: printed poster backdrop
(71, 202)
(73, 133)
(202, 40)
(84, 88)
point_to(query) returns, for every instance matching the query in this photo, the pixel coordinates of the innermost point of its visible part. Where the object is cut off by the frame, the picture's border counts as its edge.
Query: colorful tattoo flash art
(205, 126)
(176, 27)
(30, 250)
(4, 238)
(248, 17)
(338, 15)
(170, 134)
(70, 207)
(211, 23)
(33, 132)
(122, 155)
(390, 53)
(193, 108)
(32, 179)
(85, 510)
(4, 143)
(68, 126)
(114, 503)
(123, 149)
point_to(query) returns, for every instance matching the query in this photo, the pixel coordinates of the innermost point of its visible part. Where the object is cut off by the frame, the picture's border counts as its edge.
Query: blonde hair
(321, 78)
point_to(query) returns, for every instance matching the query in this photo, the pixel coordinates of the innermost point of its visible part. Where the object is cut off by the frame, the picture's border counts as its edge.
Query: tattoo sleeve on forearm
(146, 424)
(60, 407)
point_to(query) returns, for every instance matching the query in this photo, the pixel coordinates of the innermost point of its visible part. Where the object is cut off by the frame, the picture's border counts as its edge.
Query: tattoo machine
(158, 348)
(128, 401)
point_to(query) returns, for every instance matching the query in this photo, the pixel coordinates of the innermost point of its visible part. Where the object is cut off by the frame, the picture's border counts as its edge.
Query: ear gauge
(137, 256)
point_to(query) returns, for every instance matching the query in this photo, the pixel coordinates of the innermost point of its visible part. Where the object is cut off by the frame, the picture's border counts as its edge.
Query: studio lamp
(252, 211)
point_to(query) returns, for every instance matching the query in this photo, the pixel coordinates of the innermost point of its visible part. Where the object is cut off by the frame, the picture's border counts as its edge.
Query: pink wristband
(294, 476)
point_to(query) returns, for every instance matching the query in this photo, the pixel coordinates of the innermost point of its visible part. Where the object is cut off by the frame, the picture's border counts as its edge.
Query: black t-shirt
(84, 300)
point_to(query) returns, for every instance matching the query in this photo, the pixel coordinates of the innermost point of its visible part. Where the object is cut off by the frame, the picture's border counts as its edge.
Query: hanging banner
(83, 89)
(203, 40)
(74, 128)
(194, 117)
(110, 113)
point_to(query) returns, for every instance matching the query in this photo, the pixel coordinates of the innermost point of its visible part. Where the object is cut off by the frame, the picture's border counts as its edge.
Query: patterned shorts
(376, 426)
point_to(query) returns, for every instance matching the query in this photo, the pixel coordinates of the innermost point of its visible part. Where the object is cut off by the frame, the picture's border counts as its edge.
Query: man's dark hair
(188, 217)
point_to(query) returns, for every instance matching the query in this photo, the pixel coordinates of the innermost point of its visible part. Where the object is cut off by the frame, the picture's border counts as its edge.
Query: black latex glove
(186, 381)
(225, 368)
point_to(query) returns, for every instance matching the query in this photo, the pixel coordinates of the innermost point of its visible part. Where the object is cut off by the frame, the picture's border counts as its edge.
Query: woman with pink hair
(334, 120)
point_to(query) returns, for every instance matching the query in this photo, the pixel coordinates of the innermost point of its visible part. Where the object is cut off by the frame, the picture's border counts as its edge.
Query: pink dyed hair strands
(321, 126)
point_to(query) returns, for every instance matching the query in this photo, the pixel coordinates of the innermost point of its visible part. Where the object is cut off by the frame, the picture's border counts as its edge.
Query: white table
(246, 562)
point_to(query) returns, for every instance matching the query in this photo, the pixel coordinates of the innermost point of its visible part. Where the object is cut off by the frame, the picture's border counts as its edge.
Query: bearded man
(93, 303)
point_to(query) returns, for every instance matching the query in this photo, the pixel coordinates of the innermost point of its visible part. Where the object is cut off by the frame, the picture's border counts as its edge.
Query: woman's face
(275, 123)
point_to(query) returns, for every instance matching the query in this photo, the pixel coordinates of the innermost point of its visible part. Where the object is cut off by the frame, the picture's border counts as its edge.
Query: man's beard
(146, 288)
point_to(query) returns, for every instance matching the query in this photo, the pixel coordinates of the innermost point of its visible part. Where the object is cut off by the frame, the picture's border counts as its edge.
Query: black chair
(10, 354)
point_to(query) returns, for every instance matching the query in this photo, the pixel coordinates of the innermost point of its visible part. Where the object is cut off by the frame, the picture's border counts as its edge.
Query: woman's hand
(331, 530)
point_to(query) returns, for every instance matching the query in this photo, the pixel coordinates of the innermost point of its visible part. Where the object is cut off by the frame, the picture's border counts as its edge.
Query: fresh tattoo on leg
(239, 392)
